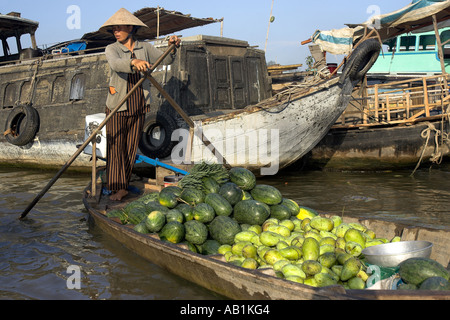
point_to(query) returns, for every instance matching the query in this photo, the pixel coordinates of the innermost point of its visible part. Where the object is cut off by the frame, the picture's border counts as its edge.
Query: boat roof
(169, 23)
(416, 17)
(12, 24)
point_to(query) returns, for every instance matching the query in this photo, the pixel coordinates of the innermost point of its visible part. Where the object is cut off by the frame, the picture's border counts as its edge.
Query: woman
(127, 57)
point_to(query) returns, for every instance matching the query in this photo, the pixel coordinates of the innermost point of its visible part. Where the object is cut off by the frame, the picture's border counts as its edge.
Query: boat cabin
(12, 25)
(69, 81)
(413, 55)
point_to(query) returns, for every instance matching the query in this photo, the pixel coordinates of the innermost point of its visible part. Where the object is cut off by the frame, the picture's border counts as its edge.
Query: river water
(36, 255)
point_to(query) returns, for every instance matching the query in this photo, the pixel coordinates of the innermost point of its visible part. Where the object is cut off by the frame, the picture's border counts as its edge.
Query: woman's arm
(117, 63)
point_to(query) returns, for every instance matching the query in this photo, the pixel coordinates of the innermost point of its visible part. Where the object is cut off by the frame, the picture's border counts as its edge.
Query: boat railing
(55, 55)
(405, 101)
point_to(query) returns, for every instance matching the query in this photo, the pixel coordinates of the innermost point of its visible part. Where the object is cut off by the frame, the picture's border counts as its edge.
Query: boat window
(390, 45)
(77, 88)
(408, 43)
(427, 43)
(445, 39)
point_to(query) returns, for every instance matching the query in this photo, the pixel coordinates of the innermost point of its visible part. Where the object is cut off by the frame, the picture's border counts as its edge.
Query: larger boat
(222, 84)
(398, 118)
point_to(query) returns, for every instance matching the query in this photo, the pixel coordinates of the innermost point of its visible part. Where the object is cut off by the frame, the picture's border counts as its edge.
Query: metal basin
(392, 254)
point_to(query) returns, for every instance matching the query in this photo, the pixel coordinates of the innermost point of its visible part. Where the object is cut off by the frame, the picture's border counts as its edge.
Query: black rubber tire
(361, 60)
(22, 124)
(158, 147)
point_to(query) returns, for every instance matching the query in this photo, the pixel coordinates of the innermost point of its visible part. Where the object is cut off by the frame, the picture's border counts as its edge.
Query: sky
(295, 20)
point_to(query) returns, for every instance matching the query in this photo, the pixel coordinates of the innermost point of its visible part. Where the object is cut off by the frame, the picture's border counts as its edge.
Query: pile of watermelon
(216, 211)
(207, 209)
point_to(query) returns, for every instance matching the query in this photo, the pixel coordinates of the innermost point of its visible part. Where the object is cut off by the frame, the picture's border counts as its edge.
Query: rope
(437, 156)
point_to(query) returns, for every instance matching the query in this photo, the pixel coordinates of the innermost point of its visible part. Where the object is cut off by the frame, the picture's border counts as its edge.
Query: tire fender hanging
(156, 140)
(21, 125)
(361, 60)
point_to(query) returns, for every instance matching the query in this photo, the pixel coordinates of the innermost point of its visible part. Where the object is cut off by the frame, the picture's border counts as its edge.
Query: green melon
(223, 229)
(204, 213)
(192, 196)
(141, 228)
(186, 210)
(210, 247)
(172, 232)
(231, 192)
(251, 212)
(220, 205)
(266, 194)
(210, 185)
(280, 212)
(175, 215)
(417, 270)
(155, 221)
(293, 206)
(435, 283)
(196, 232)
(243, 178)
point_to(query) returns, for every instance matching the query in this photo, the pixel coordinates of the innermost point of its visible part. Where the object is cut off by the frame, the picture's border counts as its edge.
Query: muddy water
(35, 254)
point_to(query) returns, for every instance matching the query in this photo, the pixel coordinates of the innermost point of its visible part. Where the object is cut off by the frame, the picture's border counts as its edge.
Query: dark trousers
(123, 135)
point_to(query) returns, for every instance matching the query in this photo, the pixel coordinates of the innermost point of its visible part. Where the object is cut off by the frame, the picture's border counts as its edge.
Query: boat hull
(382, 148)
(227, 280)
(275, 137)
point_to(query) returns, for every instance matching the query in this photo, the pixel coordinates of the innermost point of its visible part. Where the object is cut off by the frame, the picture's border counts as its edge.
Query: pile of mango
(308, 249)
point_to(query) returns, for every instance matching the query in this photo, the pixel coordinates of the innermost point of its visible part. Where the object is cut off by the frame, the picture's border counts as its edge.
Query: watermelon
(168, 199)
(251, 212)
(155, 221)
(172, 189)
(210, 185)
(137, 214)
(280, 212)
(243, 178)
(231, 192)
(175, 215)
(210, 247)
(168, 196)
(192, 196)
(223, 229)
(417, 270)
(172, 232)
(435, 283)
(186, 210)
(220, 205)
(141, 228)
(154, 196)
(247, 196)
(156, 206)
(293, 206)
(196, 232)
(266, 194)
(203, 212)
(118, 214)
(190, 246)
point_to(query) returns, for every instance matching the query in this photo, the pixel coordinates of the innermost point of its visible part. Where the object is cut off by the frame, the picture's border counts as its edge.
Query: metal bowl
(392, 254)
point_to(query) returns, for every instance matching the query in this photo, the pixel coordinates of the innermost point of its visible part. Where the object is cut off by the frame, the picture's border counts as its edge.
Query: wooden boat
(382, 130)
(223, 84)
(397, 124)
(227, 280)
(46, 94)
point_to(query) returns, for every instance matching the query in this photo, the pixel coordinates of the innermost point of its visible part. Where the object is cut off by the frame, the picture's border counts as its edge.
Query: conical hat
(120, 18)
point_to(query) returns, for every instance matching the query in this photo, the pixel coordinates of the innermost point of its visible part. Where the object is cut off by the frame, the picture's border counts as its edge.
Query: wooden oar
(93, 136)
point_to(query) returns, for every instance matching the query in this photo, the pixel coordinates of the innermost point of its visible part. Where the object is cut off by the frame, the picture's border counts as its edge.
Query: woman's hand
(140, 65)
(175, 40)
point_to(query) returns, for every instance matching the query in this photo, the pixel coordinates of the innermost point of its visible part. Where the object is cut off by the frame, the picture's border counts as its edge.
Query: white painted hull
(271, 138)
(48, 154)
